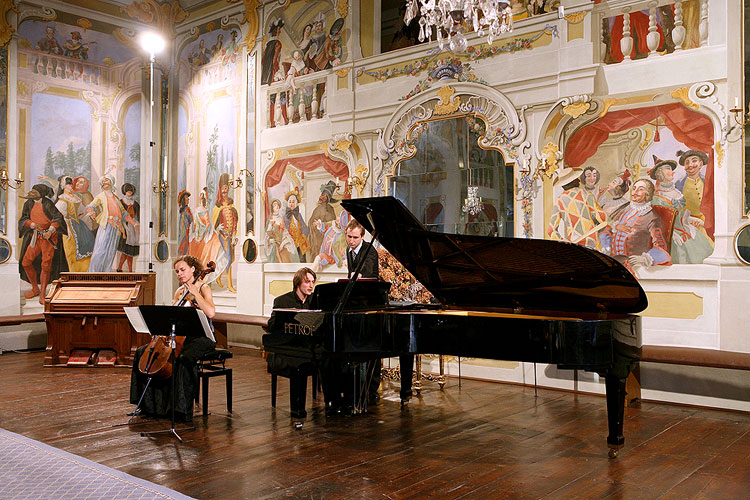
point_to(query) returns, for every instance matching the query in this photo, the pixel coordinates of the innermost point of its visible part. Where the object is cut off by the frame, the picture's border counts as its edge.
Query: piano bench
(213, 364)
(274, 382)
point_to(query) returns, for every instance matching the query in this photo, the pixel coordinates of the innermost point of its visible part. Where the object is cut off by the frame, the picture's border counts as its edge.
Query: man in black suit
(358, 250)
(299, 298)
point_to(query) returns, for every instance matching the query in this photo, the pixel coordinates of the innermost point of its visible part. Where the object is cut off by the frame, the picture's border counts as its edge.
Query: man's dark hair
(300, 276)
(353, 224)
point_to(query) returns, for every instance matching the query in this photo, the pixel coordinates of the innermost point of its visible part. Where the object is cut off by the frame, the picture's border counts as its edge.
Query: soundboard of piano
(513, 299)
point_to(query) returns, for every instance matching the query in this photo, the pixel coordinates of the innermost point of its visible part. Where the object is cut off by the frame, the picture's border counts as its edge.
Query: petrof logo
(297, 329)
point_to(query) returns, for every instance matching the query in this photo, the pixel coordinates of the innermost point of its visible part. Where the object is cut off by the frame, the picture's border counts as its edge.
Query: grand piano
(498, 298)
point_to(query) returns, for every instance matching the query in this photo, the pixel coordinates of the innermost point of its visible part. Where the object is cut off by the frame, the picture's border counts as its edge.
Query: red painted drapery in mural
(338, 169)
(691, 128)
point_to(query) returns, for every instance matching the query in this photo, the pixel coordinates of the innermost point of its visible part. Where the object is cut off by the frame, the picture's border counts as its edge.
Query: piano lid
(495, 272)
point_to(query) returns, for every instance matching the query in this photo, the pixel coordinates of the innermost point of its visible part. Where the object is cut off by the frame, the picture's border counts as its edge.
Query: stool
(212, 364)
(274, 383)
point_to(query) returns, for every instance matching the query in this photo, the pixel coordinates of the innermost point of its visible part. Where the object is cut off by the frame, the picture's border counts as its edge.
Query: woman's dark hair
(192, 262)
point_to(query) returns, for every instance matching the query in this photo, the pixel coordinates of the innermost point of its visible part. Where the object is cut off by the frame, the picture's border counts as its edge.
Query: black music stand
(168, 321)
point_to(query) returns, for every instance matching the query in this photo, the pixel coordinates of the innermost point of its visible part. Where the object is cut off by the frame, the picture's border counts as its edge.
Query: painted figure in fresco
(637, 235)
(612, 199)
(304, 45)
(329, 54)
(301, 97)
(317, 40)
(295, 224)
(201, 56)
(224, 220)
(49, 43)
(218, 47)
(279, 244)
(75, 47)
(184, 223)
(41, 255)
(577, 216)
(272, 71)
(322, 217)
(205, 243)
(128, 245)
(79, 240)
(231, 51)
(81, 188)
(333, 247)
(689, 244)
(110, 221)
(693, 186)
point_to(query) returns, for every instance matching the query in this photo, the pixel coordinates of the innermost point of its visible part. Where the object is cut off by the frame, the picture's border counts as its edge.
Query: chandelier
(490, 17)
(473, 203)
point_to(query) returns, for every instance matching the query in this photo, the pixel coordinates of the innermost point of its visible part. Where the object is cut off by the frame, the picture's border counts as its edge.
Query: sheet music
(136, 320)
(206, 326)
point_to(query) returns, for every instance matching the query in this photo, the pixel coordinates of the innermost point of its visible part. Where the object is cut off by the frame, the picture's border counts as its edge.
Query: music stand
(167, 321)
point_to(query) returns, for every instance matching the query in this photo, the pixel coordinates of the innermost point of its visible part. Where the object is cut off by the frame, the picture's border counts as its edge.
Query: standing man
(321, 218)
(299, 298)
(40, 225)
(359, 250)
(110, 221)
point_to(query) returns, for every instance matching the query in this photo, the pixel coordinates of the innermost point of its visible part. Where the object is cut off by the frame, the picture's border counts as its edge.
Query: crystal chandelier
(472, 203)
(490, 17)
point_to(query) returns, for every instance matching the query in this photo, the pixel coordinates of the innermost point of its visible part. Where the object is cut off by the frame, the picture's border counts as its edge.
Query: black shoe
(332, 409)
(298, 413)
(373, 398)
(346, 411)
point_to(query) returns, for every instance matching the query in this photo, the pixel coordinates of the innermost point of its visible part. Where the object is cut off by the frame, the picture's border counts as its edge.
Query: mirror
(249, 251)
(5, 250)
(161, 251)
(742, 244)
(453, 184)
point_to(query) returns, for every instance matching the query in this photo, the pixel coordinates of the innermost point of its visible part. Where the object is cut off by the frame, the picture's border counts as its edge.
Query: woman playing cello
(192, 292)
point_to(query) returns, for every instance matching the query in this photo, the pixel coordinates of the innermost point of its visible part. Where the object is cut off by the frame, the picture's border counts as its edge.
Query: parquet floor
(479, 441)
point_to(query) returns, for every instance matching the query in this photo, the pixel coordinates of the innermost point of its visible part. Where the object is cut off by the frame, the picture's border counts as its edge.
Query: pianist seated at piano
(297, 370)
(192, 292)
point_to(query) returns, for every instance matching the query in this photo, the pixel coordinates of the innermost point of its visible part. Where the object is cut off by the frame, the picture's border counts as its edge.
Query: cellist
(192, 292)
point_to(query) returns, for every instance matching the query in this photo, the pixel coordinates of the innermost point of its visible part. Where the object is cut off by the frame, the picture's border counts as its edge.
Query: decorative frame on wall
(505, 129)
(741, 244)
(4, 137)
(6, 250)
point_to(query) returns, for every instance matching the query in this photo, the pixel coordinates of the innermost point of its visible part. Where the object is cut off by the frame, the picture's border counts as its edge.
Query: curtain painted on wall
(691, 128)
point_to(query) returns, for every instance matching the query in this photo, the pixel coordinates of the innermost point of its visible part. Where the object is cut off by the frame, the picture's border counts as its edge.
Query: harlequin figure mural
(224, 221)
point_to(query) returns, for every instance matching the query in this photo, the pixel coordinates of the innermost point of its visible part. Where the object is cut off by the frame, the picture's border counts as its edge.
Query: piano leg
(406, 367)
(615, 387)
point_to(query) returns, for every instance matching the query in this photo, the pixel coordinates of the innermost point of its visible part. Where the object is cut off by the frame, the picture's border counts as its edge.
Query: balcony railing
(654, 28)
(296, 99)
(66, 68)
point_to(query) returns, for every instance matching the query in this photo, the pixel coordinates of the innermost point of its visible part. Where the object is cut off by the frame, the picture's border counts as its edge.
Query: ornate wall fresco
(304, 220)
(676, 27)
(79, 90)
(208, 126)
(300, 40)
(638, 185)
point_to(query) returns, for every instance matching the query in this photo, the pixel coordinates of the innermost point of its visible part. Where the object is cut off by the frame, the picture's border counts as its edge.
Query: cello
(155, 360)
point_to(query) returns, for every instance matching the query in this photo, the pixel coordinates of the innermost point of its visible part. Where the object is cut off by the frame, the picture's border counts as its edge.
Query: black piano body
(498, 298)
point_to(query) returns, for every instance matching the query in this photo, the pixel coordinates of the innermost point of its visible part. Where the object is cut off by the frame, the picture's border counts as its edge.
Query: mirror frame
(156, 250)
(10, 250)
(742, 228)
(249, 241)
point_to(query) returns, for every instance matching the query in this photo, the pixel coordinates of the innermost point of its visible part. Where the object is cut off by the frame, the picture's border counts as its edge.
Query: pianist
(192, 292)
(299, 298)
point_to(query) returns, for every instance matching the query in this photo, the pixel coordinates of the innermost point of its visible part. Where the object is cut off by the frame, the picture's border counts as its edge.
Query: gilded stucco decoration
(342, 7)
(551, 154)
(577, 105)
(575, 17)
(6, 30)
(251, 18)
(448, 104)
(163, 16)
(683, 94)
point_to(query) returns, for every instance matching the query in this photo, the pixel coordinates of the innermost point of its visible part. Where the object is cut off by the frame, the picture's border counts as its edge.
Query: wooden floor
(482, 440)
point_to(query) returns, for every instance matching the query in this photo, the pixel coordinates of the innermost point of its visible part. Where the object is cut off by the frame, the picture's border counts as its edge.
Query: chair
(213, 364)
